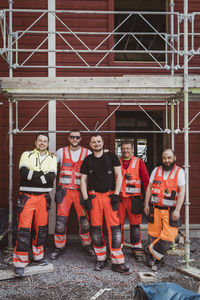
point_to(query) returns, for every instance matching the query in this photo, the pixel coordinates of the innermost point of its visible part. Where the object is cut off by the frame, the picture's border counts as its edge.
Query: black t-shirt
(98, 179)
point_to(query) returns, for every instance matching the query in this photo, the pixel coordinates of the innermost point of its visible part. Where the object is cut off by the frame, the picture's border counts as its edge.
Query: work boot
(56, 253)
(158, 264)
(41, 262)
(150, 260)
(89, 250)
(19, 272)
(121, 268)
(100, 265)
(139, 257)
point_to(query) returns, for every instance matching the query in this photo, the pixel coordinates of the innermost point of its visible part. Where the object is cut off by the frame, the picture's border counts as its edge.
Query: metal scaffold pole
(10, 197)
(186, 135)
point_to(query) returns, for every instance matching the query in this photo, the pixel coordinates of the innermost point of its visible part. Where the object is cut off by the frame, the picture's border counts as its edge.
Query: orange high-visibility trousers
(161, 232)
(134, 221)
(101, 205)
(36, 207)
(63, 209)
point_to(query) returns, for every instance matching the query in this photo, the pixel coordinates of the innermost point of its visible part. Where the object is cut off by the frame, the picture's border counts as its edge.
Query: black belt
(161, 207)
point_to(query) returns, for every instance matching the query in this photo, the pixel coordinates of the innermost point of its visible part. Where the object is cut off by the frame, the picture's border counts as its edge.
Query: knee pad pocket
(85, 225)
(135, 234)
(162, 246)
(97, 236)
(60, 224)
(116, 237)
(42, 235)
(23, 239)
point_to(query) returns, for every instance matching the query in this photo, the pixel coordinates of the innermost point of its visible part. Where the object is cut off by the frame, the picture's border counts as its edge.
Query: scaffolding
(178, 53)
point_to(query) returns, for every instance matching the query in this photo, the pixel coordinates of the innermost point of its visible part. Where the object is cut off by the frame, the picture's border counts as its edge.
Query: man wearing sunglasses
(70, 159)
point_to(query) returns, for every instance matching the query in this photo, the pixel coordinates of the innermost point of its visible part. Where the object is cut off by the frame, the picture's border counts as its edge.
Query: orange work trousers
(134, 221)
(35, 207)
(63, 209)
(161, 232)
(101, 206)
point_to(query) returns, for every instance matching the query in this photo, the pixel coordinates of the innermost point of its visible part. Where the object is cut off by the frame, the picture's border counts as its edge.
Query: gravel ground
(74, 276)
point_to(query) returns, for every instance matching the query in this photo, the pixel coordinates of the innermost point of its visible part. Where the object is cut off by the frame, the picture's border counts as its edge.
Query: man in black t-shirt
(101, 181)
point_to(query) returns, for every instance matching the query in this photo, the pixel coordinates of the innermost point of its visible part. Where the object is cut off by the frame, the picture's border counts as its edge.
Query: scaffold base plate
(191, 271)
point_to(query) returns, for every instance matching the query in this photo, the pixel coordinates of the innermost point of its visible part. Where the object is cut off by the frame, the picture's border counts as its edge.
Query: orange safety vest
(131, 186)
(70, 172)
(165, 192)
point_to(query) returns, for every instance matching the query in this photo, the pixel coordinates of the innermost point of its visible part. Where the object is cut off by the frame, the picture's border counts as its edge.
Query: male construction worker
(163, 201)
(68, 192)
(38, 170)
(101, 196)
(134, 172)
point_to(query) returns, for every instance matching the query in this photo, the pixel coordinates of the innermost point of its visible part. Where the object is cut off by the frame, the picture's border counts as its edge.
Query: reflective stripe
(117, 252)
(60, 240)
(134, 162)
(117, 261)
(34, 189)
(86, 239)
(100, 250)
(156, 191)
(43, 179)
(30, 174)
(174, 172)
(139, 245)
(22, 258)
(78, 174)
(37, 250)
(155, 253)
(66, 172)
(77, 181)
(67, 164)
(132, 190)
(65, 180)
(168, 202)
(154, 199)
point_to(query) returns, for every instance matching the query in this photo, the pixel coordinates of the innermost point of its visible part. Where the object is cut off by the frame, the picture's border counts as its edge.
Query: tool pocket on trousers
(136, 205)
(150, 217)
(21, 201)
(60, 194)
(48, 201)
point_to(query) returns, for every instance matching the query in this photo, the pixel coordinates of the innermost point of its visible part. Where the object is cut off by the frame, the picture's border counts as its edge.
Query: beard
(98, 150)
(168, 167)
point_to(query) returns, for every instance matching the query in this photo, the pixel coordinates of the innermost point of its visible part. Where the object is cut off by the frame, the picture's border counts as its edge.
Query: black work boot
(138, 255)
(57, 252)
(19, 272)
(89, 250)
(100, 265)
(41, 262)
(158, 265)
(150, 260)
(121, 268)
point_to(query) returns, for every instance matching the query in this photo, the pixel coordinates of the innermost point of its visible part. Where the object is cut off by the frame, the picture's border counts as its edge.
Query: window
(142, 36)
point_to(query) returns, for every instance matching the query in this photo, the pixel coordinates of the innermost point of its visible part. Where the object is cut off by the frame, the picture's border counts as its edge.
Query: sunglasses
(74, 137)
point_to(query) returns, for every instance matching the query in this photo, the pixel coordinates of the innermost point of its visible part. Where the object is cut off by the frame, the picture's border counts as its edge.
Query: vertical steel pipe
(10, 196)
(186, 135)
(172, 34)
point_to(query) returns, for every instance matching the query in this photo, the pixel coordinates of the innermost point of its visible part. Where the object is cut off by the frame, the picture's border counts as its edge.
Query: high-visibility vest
(132, 185)
(165, 192)
(70, 172)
